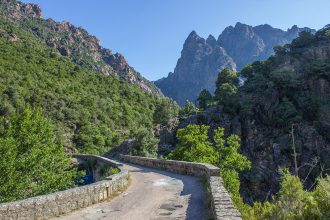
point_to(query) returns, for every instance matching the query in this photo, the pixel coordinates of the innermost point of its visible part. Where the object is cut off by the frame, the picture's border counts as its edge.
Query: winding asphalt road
(152, 195)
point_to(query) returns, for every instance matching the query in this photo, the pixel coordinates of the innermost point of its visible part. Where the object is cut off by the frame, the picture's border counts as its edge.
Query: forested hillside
(92, 111)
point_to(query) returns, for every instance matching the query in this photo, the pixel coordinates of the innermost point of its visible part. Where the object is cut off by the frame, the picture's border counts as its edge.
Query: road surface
(152, 195)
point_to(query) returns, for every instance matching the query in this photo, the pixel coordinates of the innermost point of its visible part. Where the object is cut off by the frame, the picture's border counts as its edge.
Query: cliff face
(72, 42)
(201, 59)
(198, 66)
(247, 44)
(16, 11)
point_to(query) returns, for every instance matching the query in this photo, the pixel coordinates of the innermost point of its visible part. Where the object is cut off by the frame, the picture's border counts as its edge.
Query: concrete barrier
(55, 204)
(222, 205)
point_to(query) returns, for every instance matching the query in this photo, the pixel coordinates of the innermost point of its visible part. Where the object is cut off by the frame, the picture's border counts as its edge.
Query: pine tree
(227, 89)
(204, 98)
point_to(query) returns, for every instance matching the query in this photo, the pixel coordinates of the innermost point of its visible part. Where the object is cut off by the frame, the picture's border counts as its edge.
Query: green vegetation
(226, 94)
(204, 99)
(293, 202)
(91, 111)
(226, 90)
(31, 161)
(166, 109)
(230, 162)
(291, 85)
(280, 95)
(194, 146)
(188, 109)
(145, 143)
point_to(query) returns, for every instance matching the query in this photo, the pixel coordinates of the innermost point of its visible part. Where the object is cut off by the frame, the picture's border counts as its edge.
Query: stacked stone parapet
(222, 205)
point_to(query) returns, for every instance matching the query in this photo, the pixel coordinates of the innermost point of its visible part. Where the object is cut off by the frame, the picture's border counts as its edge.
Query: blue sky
(150, 33)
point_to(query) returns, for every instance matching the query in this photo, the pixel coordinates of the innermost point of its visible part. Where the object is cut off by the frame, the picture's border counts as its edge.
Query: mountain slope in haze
(201, 59)
(73, 42)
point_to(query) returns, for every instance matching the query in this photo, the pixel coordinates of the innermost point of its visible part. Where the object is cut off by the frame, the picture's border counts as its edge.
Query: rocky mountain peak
(193, 40)
(193, 36)
(211, 40)
(18, 10)
(197, 68)
(201, 59)
(118, 62)
(241, 43)
(293, 28)
(32, 10)
(241, 26)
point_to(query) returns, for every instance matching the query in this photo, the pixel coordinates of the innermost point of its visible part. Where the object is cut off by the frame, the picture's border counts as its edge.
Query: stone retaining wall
(55, 204)
(222, 205)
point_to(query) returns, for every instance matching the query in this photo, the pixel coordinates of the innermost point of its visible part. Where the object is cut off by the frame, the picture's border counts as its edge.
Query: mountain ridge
(73, 42)
(241, 44)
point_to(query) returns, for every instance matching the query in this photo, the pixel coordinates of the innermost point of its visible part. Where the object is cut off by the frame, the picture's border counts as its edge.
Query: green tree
(305, 38)
(227, 89)
(194, 146)
(188, 109)
(322, 196)
(285, 113)
(91, 109)
(230, 163)
(166, 109)
(227, 76)
(327, 33)
(293, 202)
(204, 98)
(31, 162)
(145, 144)
(285, 79)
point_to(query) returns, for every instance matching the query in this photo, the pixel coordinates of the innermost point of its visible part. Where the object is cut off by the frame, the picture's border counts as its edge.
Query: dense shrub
(31, 161)
(293, 202)
(145, 144)
(194, 146)
(227, 89)
(188, 109)
(204, 98)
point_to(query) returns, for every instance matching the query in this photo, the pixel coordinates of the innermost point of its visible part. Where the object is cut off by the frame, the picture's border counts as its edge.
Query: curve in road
(154, 195)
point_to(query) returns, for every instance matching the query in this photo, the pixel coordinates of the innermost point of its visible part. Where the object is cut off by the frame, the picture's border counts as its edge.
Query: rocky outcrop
(197, 68)
(16, 10)
(73, 42)
(201, 60)
(12, 37)
(246, 44)
(242, 43)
